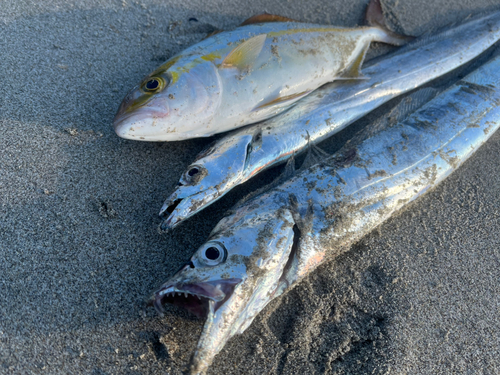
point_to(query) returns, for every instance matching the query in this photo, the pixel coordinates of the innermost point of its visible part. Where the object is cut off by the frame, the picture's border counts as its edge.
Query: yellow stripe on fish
(243, 76)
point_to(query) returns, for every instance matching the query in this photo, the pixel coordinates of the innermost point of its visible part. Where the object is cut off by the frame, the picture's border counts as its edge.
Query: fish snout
(146, 124)
(143, 117)
(126, 102)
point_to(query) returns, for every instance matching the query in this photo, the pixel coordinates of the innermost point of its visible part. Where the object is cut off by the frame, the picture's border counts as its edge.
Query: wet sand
(81, 251)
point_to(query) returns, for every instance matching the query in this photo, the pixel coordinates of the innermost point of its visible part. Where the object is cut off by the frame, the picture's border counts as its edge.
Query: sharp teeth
(198, 297)
(185, 295)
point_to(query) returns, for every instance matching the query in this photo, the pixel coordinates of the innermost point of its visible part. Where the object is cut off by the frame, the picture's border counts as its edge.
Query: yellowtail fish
(243, 76)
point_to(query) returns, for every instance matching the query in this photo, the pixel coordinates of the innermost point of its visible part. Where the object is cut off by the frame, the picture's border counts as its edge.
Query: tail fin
(375, 17)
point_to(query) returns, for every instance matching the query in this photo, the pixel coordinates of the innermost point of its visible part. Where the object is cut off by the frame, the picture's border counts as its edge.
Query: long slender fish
(270, 242)
(244, 76)
(244, 153)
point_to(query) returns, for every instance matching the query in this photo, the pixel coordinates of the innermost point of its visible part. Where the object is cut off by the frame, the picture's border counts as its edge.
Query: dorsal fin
(266, 17)
(245, 54)
(400, 112)
(287, 173)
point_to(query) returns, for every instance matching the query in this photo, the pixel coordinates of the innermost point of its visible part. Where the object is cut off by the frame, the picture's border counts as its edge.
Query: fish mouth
(173, 214)
(179, 208)
(143, 123)
(169, 206)
(197, 298)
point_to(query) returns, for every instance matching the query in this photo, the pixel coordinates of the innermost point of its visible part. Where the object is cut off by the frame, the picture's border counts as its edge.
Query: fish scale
(274, 240)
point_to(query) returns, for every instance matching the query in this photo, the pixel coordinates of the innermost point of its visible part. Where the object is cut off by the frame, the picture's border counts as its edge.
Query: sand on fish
(80, 249)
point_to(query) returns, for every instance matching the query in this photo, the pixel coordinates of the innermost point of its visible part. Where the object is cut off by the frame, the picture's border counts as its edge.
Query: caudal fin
(375, 17)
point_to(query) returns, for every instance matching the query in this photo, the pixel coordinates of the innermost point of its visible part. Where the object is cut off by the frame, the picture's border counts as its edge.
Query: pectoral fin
(266, 17)
(354, 70)
(283, 100)
(314, 155)
(245, 54)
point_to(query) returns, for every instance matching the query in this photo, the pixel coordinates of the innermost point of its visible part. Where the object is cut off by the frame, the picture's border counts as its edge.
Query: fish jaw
(214, 173)
(214, 300)
(178, 207)
(138, 125)
(232, 292)
(195, 297)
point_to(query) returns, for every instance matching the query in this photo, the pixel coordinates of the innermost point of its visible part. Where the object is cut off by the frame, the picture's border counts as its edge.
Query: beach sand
(79, 240)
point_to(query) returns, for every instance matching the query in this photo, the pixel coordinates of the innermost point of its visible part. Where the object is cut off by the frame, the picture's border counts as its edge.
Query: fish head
(233, 276)
(172, 103)
(214, 172)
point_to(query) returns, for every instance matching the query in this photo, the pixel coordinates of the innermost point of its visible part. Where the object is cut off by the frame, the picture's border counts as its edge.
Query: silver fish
(244, 153)
(269, 243)
(244, 76)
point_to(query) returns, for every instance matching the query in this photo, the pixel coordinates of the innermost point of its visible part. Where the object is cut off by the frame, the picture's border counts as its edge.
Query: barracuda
(244, 76)
(269, 243)
(244, 153)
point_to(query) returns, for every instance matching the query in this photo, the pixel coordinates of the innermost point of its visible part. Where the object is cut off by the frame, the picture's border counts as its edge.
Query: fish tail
(375, 17)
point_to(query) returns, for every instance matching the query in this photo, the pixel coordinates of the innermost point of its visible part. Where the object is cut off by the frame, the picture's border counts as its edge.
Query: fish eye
(213, 254)
(194, 174)
(154, 84)
(193, 171)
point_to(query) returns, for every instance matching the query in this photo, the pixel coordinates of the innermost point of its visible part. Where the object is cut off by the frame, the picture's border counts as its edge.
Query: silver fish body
(241, 77)
(272, 241)
(244, 153)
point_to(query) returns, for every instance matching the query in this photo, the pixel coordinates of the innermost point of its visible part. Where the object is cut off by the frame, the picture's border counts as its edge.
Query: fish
(239, 77)
(268, 243)
(244, 153)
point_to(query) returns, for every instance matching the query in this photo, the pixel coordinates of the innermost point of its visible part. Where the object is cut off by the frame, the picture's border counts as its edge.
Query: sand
(80, 248)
